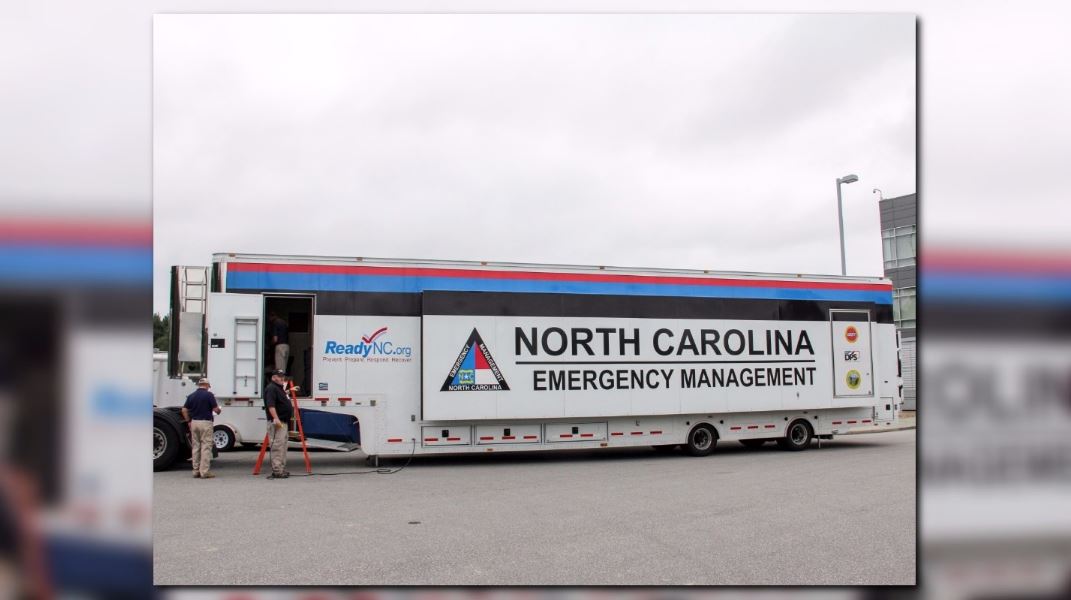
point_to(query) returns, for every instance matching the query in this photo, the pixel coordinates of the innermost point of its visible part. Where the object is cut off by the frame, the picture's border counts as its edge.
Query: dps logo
(851, 356)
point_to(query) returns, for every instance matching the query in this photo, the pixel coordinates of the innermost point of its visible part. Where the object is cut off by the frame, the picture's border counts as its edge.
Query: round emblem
(853, 379)
(851, 333)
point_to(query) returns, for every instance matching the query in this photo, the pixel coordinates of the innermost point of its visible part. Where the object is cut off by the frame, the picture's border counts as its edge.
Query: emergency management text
(575, 380)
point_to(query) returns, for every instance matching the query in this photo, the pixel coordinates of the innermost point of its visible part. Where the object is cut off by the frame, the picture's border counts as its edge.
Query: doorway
(296, 314)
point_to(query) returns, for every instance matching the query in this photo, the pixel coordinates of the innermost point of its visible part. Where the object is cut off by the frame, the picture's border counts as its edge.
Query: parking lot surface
(843, 514)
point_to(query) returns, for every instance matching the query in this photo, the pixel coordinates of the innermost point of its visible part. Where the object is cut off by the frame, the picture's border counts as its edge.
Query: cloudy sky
(691, 141)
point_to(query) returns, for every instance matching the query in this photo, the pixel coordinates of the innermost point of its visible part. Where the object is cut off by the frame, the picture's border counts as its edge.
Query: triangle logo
(474, 370)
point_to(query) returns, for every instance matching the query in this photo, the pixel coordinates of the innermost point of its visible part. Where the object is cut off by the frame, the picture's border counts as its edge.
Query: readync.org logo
(370, 346)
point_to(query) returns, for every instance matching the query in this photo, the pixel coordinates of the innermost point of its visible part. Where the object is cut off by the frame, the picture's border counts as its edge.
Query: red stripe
(587, 435)
(617, 433)
(531, 437)
(344, 399)
(486, 437)
(838, 422)
(431, 439)
(770, 426)
(510, 437)
(321, 399)
(637, 433)
(852, 422)
(453, 439)
(394, 439)
(656, 432)
(55, 231)
(734, 428)
(544, 276)
(752, 426)
(866, 420)
(566, 435)
(1002, 261)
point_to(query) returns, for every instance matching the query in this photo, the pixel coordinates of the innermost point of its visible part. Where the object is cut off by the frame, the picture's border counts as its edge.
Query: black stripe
(396, 304)
(641, 307)
(849, 316)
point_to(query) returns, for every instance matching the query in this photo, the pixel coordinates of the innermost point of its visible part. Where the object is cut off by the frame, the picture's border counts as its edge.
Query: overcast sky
(691, 141)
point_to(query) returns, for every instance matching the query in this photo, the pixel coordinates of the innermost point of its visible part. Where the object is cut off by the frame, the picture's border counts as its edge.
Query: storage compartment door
(852, 363)
(235, 344)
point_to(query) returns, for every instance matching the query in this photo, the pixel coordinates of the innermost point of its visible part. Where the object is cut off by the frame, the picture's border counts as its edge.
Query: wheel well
(234, 431)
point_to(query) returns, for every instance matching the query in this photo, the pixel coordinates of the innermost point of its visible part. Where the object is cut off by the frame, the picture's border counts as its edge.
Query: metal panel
(190, 342)
(907, 361)
(508, 434)
(575, 432)
(448, 435)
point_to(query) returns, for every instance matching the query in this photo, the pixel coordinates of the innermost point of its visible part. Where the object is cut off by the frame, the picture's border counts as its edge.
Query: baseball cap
(279, 372)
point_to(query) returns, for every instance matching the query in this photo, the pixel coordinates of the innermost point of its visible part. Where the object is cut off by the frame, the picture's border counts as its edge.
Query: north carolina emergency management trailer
(448, 357)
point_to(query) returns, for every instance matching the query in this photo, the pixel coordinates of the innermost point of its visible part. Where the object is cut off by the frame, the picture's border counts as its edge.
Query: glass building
(899, 232)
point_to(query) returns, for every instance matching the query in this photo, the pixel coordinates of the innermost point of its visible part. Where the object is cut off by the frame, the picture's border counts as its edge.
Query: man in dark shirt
(280, 336)
(198, 413)
(279, 410)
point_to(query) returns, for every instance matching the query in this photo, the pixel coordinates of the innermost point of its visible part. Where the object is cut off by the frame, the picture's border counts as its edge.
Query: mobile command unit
(447, 357)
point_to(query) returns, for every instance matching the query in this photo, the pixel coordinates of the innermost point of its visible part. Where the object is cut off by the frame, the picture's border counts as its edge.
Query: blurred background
(993, 313)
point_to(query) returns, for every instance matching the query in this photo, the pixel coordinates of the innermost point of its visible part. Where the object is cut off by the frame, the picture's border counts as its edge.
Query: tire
(753, 443)
(664, 448)
(701, 440)
(223, 438)
(165, 444)
(797, 436)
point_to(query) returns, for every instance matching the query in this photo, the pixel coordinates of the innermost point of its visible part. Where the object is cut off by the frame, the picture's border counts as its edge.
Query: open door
(235, 345)
(853, 367)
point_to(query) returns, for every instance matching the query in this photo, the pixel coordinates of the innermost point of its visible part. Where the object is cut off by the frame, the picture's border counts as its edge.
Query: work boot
(196, 475)
(208, 476)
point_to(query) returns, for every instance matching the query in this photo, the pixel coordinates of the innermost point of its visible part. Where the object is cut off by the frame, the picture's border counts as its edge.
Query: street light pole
(840, 218)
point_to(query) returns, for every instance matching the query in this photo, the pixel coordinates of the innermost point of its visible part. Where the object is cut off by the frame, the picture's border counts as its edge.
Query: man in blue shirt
(198, 413)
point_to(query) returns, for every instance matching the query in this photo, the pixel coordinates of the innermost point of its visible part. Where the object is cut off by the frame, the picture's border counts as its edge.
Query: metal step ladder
(193, 287)
(246, 343)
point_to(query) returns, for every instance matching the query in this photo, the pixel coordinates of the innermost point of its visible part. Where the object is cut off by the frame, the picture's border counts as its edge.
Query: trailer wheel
(753, 443)
(223, 438)
(797, 437)
(165, 444)
(701, 440)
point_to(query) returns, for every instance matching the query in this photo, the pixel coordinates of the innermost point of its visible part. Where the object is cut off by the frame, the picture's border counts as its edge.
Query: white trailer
(450, 357)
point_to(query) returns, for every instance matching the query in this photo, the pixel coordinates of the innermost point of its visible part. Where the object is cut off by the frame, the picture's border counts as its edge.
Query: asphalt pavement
(842, 514)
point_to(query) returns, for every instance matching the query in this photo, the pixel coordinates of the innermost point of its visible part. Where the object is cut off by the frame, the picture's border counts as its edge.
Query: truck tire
(701, 440)
(797, 436)
(753, 443)
(223, 438)
(165, 443)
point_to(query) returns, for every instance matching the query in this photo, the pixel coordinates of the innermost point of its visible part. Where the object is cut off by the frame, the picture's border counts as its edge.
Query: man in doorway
(280, 337)
(279, 410)
(197, 411)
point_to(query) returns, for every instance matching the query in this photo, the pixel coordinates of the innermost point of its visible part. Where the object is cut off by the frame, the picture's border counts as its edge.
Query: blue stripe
(996, 286)
(74, 264)
(378, 283)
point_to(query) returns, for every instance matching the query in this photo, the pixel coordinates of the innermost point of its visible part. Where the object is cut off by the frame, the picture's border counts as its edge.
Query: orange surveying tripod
(301, 434)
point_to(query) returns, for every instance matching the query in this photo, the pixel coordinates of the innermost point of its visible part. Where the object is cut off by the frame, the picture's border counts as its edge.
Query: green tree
(161, 332)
